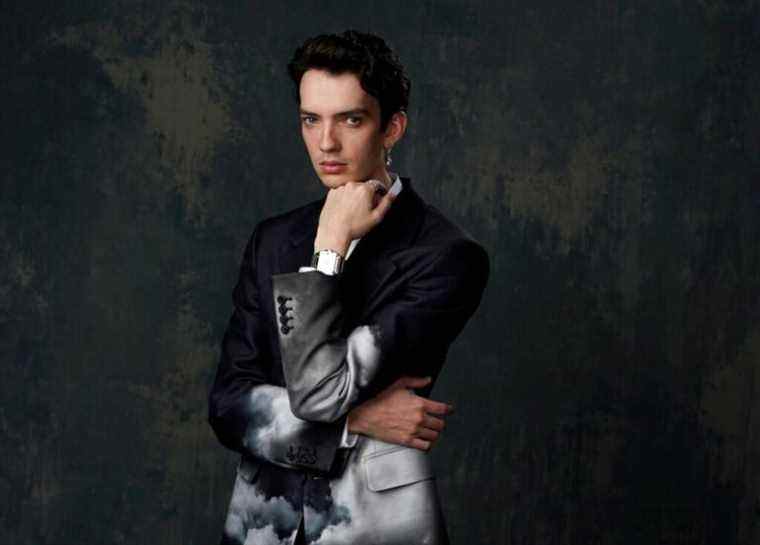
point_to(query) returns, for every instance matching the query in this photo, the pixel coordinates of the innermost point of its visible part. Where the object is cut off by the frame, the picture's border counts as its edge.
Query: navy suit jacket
(302, 349)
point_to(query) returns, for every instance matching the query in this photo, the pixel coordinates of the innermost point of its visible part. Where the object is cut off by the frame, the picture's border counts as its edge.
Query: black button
(285, 329)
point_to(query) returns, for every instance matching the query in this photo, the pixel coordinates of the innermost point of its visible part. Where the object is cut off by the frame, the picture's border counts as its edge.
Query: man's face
(340, 125)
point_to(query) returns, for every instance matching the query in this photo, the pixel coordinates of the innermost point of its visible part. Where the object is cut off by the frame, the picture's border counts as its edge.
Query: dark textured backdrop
(606, 153)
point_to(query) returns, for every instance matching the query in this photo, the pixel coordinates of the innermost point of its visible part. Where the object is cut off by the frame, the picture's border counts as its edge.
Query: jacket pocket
(396, 467)
(248, 468)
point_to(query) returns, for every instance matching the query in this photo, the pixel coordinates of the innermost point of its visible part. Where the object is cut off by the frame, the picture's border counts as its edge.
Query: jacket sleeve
(327, 371)
(246, 412)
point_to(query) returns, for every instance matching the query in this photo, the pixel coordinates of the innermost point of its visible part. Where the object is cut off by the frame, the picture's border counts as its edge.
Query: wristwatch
(328, 261)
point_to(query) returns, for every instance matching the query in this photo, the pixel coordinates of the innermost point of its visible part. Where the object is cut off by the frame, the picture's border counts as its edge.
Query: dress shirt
(348, 440)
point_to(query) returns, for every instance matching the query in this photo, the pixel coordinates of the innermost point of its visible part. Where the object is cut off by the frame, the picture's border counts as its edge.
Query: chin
(333, 180)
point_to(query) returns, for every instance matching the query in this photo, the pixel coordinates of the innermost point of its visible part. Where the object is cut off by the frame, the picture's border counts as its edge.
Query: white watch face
(327, 262)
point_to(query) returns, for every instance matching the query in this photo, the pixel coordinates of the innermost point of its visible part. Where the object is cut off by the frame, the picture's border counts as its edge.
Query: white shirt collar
(396, 187)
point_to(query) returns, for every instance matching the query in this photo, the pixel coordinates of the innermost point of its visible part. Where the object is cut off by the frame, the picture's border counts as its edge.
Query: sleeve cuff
(348, 439)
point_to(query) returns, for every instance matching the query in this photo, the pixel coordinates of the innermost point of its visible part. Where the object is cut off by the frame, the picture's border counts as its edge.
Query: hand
(350, 211)
(398, 415)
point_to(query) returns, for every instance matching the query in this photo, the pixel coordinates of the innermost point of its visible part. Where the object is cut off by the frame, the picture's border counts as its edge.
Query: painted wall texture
(606, 153)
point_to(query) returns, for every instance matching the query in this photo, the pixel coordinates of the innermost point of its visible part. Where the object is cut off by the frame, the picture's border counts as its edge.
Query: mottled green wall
(606, 153)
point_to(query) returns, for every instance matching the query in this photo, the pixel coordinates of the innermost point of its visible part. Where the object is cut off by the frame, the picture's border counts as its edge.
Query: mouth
(332, 167)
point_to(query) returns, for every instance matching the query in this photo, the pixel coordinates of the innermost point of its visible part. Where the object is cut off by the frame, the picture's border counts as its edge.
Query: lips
(332, 167)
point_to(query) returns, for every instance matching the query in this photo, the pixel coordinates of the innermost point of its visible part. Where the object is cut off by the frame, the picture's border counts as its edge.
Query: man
(343, 308)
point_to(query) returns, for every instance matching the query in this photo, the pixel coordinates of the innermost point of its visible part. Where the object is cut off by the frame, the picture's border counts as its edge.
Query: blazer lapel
(370, 269)
(297, 251)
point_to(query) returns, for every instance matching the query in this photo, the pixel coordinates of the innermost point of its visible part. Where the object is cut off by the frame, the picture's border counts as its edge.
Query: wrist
(337, 242)
(352, 423)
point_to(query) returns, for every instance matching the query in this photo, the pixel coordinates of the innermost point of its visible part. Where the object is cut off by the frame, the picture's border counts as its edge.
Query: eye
(354, 120)
(308, 119)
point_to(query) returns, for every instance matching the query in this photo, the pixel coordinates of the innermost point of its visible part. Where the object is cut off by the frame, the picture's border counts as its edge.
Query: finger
(433, 423)
(427, 434)
(376, 186)
(419, 444)
(436, 407)
(407, 381)
(373, 190)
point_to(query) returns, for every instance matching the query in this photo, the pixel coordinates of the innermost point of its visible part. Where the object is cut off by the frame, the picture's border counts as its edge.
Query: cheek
(310, 142)
(369, 146)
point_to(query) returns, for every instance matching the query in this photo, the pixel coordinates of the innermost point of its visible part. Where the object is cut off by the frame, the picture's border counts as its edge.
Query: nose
(327, 140)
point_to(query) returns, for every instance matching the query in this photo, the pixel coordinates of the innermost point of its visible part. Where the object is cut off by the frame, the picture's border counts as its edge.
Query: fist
(351, 211)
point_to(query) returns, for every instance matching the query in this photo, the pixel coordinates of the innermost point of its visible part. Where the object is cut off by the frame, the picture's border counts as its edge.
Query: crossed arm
(328, 370)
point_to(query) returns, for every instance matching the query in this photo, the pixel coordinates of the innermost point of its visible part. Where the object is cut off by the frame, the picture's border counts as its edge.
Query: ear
(395, 129)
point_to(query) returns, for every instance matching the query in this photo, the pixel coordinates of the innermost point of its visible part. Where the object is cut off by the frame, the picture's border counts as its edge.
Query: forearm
(325, 371)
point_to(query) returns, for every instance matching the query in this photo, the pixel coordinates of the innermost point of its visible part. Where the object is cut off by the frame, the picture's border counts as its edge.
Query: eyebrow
(347, 113)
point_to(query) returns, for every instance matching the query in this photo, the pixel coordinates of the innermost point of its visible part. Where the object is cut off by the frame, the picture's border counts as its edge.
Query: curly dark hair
(366, 55)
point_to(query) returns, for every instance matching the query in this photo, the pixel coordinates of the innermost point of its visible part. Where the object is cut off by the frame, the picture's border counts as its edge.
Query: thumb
(383, 206)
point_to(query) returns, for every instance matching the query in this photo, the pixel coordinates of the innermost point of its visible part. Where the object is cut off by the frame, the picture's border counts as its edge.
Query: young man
(343, 307)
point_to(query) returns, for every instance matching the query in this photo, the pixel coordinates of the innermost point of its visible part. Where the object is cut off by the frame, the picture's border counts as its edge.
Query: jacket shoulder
(285, 224)
(270, 233)
(438, 231)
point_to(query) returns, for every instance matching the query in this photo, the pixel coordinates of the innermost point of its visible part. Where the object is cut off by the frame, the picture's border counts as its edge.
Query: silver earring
(388, 159)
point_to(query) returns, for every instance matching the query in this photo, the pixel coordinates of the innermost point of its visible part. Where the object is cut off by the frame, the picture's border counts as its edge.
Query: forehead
(325, 93)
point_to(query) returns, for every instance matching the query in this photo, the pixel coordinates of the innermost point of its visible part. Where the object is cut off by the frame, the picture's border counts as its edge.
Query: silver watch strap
(328, 261)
